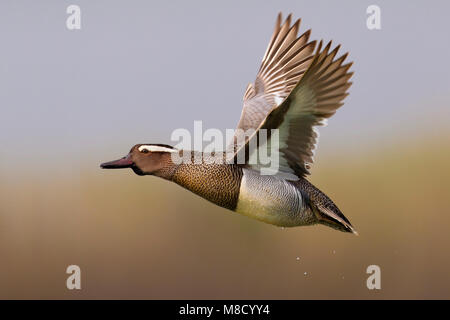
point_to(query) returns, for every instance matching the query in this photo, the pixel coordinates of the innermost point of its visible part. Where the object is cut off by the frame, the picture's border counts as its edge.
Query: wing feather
(316, 97)
(284, 63)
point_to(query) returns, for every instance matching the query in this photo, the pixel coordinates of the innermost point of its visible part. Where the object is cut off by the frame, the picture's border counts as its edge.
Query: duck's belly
(272, 200)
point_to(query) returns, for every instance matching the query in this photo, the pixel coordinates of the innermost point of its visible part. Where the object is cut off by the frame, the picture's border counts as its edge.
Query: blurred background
(136, 71)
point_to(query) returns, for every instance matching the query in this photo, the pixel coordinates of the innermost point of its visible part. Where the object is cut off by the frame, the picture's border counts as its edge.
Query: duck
(299, 85)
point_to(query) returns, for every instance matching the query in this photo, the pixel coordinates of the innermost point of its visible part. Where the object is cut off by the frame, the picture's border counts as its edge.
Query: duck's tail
(326, 212)
(333, 218)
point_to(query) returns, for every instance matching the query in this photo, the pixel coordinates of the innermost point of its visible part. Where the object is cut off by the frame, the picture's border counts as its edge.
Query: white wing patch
(278, 99)
(151, 148)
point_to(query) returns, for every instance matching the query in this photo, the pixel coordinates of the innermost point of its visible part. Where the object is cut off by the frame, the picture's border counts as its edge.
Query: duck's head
(143, 159)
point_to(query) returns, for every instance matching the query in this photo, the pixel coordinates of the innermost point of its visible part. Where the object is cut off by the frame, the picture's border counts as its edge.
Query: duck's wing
(315, 98)
(286, 59)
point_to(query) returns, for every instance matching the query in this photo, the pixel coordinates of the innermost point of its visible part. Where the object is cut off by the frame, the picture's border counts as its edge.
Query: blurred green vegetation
(142, 237)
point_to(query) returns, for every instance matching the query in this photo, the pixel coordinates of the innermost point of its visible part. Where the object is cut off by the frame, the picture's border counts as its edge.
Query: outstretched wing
(315, 98)
(286, 59)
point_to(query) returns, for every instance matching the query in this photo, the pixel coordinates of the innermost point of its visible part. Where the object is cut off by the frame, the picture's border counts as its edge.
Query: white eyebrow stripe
(157, 149)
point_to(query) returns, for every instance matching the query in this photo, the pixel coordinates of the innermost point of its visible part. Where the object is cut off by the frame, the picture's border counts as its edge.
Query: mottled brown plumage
(218, 183)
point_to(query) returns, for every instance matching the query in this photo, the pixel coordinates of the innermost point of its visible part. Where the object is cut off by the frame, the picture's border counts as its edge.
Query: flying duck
(299, 85)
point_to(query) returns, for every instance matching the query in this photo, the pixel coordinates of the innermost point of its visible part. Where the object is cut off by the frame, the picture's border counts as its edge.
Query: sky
(137, 70)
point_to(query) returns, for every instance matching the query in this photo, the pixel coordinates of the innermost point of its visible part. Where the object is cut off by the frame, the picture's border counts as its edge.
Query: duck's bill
(125, 162)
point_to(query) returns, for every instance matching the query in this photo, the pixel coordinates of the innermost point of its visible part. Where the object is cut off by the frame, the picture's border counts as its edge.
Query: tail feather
(326, 212)
(333, 219)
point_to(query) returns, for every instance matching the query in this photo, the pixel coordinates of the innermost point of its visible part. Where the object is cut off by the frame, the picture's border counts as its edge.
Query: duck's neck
(218, 183)
(168, 167)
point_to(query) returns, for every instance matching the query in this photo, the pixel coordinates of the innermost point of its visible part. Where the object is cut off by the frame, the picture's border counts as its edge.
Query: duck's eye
(144, 151)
